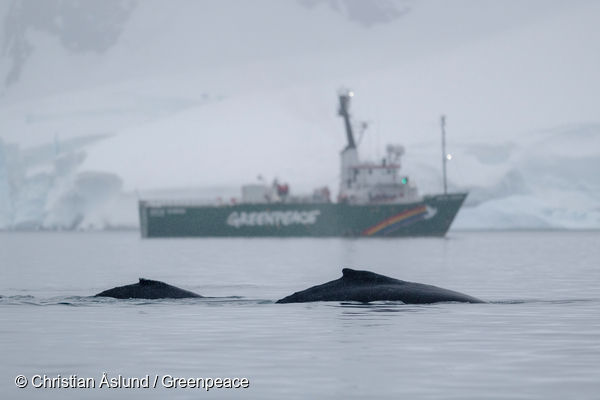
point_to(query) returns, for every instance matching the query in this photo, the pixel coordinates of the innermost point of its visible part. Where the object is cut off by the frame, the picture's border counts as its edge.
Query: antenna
(364, 125)
(444, 158)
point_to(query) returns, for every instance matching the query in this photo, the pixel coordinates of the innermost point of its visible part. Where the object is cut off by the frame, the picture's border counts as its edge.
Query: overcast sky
(52, 46)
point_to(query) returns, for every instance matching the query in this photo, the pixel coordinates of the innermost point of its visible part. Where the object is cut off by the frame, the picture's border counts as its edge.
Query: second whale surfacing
(366, 286)
(148, 289)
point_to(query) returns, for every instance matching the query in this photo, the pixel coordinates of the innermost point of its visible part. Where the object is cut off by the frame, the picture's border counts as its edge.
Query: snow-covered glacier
(552, 181)
(42, 188)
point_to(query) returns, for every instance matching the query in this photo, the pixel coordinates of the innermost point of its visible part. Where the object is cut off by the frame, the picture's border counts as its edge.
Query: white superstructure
(368, 182)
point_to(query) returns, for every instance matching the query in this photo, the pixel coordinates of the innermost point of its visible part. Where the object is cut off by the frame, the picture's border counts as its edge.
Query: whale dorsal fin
(144, 281)
(366, 277)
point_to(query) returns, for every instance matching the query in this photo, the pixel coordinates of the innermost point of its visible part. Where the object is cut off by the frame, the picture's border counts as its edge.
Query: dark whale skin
(148, 289)
(366, 286)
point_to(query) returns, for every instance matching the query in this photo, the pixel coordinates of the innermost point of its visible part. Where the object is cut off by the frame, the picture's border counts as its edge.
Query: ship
(374, 200)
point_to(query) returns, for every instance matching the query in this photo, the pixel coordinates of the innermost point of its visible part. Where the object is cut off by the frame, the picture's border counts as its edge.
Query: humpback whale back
(148, 289)
(367, 286)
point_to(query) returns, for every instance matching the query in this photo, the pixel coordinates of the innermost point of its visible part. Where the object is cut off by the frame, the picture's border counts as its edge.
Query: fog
(103, 102)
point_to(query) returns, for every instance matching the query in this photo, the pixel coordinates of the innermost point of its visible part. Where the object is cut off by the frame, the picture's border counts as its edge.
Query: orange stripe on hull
(394, 219)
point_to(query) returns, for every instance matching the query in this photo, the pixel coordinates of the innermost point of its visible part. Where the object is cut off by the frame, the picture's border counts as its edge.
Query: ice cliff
(41, 188)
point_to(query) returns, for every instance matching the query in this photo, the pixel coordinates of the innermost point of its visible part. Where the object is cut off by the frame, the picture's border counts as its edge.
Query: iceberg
(42, 188)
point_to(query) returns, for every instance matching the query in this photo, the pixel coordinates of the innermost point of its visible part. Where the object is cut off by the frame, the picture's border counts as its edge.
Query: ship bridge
(364, 183)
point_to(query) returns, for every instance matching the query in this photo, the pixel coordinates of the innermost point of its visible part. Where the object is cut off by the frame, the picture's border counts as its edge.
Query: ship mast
(444, 157)
(349, 156)
(344, 105)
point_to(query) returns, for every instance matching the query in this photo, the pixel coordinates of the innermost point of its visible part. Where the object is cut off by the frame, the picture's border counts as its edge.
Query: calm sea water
(538, 339)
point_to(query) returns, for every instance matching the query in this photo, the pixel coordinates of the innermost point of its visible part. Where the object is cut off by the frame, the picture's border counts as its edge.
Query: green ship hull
(430, 217)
